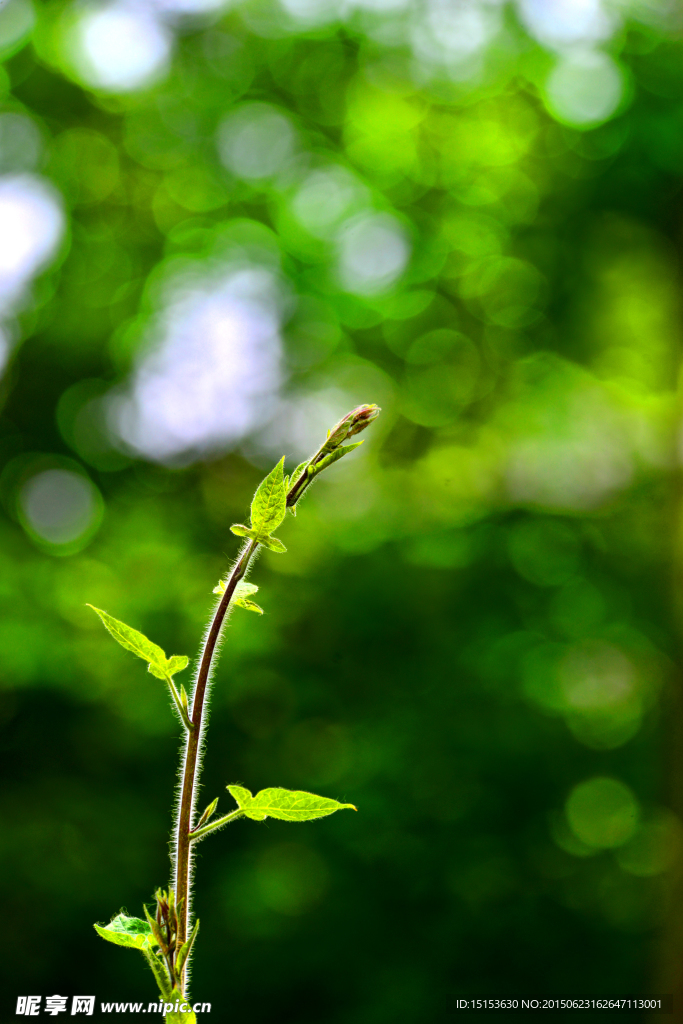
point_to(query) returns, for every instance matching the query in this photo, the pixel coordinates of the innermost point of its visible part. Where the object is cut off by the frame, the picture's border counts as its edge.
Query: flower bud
(363, 416)
(355, 421)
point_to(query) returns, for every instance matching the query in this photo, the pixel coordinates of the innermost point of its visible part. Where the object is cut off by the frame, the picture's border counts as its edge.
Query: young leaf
(242, 589)
(154, 928)
(273, 544)
(157, 670)
(184, 951)
(127, 931)
(132, 640)
(179, 1016)
(297, 473)
(208, 813)
(169, 667)
(334, 456)
(268, 508)
(158, 969)
(240, 530)
(286, 804)
(176, 663)
(157, 662)
(250, 606)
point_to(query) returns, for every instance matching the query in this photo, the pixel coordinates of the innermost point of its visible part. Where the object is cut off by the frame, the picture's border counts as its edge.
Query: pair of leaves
(286, 804)
(268, 542)
(243, 592)
(158, 664)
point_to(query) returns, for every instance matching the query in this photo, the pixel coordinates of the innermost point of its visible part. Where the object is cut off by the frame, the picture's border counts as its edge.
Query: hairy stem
(351, 424)
(192, 747)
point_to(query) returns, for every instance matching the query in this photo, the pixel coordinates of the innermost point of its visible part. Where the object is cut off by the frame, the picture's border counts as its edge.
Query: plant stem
(190, 768)
(192, 748)
(351, 424)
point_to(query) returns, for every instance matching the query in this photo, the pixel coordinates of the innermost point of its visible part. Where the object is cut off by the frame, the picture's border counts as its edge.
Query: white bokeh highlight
(212, 371)
(451, 33)
(585, 88)
(562, 23)
(31, 228)
(166, 8)
(256, 141)
(60, 506)
(120, 47)
(373, 252)
(325, 197)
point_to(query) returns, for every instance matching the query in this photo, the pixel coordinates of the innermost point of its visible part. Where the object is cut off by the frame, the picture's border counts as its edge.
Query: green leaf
(158, 968)
(132, 640)
(240, 530)
(298, 472)
(243, 589)
(268, 508)
(208, 813)
(154, 928)
(241, 595)
(170, 666)
(184, 951)
(273, 544)
(173, 1017)
(250, 606)
(127, 931)
(157, 670)
(334, 456)
(157, 662)
(176, 663)
(287, 804)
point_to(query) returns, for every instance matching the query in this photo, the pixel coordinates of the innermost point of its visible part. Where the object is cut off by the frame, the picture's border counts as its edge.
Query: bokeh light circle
(585, 88)
(31, 227)
(120, 48)
(602, 812)
(373, 253)
(60, 508)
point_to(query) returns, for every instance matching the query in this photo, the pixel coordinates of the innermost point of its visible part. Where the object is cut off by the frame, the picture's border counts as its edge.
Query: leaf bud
(363, 415)
(355, 421)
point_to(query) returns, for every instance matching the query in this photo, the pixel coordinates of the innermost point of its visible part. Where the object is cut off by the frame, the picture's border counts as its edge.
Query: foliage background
(222, 226)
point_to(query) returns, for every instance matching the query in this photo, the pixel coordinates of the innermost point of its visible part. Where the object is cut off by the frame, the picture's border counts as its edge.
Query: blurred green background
(221, 227)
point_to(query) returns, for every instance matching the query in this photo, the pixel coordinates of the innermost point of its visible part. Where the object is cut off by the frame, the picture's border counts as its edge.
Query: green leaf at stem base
(177, 1016)
(127, 931)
